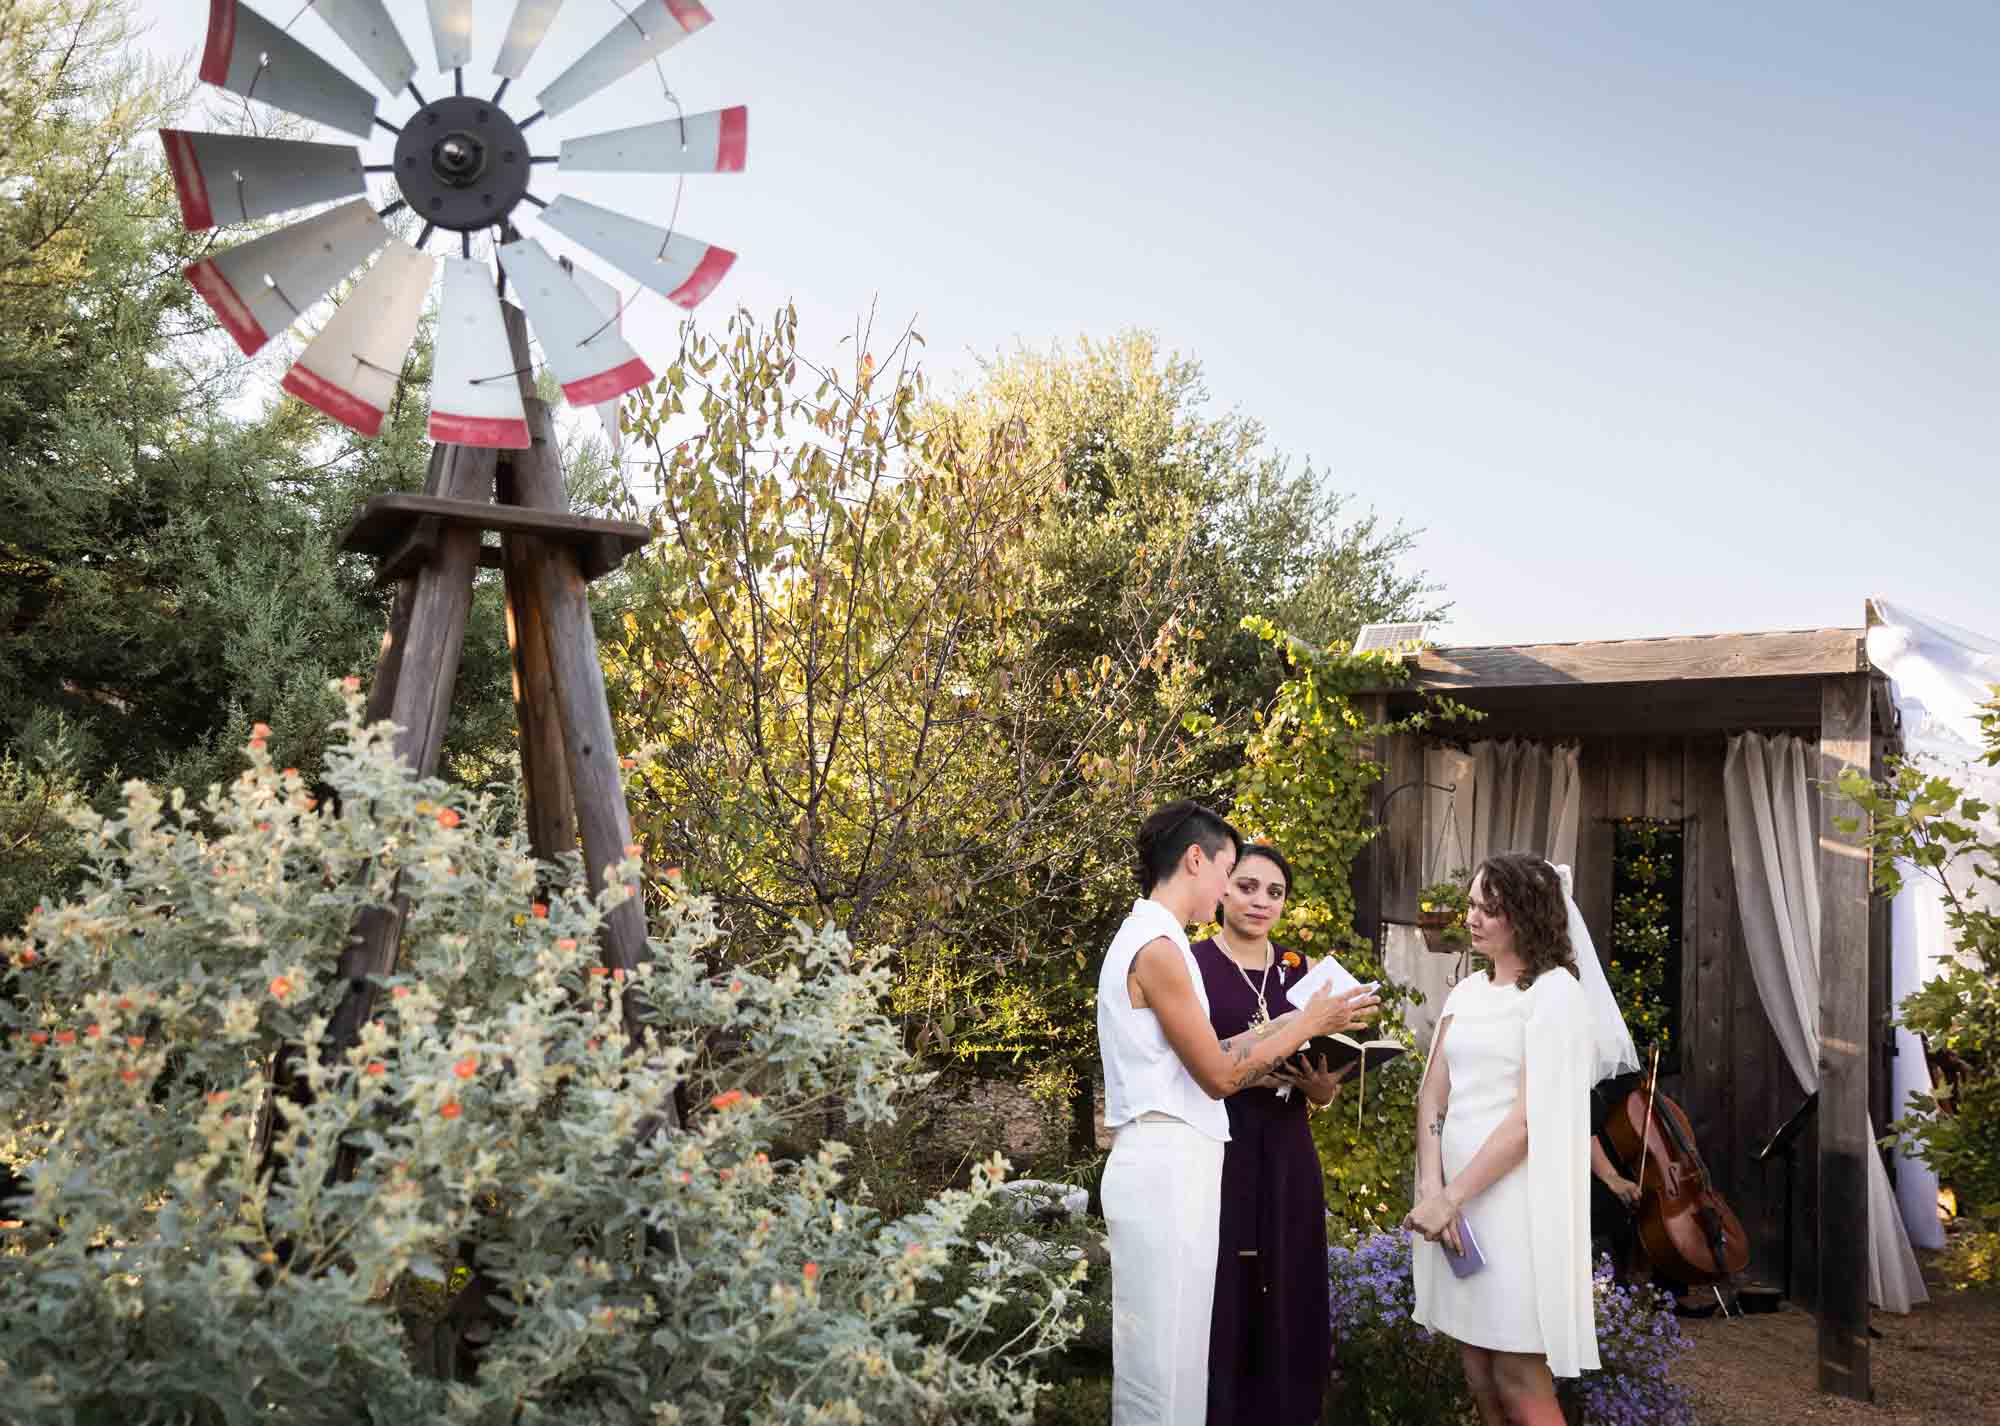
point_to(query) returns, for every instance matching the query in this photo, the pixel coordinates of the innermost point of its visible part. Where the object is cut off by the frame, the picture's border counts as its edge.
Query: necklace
(1259, 987)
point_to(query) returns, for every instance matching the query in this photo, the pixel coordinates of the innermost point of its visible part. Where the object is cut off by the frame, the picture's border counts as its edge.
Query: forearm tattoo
(1437, 1126)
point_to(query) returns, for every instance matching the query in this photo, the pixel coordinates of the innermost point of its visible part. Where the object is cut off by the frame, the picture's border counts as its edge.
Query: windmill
(461, 164)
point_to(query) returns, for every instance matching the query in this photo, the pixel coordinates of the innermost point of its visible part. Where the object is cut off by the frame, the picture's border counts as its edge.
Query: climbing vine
(1306, 786)
(1644, 963)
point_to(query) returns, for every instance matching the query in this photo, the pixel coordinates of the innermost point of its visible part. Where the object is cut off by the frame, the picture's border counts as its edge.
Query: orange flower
(540, 910)
(1290, 960)
(124, 1002)
(216, 1096)
(351, 684)
(280, 987)
(599, 970)
(65, 1037)
(726, 1174)
(673, 873)
(291, 772)
(398, 992)
(376, 1067)
(263, 826)
(467, 1067)
(810, 1272)
(449, 1109)
(29, 956)
(137, 1042)
(566, 943)
(94, 1031)
(38, 1037)
(448, 818)
(130, 1076)
(631, 849)
(728, 1099)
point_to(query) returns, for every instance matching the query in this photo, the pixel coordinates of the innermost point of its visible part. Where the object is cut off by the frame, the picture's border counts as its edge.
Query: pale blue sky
(1657, 318)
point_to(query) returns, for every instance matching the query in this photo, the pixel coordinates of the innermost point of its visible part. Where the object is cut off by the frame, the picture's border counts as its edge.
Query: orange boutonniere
(1290, 960)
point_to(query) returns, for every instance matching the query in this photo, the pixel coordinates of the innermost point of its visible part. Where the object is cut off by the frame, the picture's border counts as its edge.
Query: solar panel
(1388, 638)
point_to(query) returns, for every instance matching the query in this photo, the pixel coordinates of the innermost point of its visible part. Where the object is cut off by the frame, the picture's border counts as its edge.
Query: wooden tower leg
(420, 705)
(555, 601)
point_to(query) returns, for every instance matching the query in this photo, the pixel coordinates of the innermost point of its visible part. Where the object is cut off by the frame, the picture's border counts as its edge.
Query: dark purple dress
(1270, 1344)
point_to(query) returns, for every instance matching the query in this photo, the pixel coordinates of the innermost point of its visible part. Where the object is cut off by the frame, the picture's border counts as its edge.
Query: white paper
(1328, 972)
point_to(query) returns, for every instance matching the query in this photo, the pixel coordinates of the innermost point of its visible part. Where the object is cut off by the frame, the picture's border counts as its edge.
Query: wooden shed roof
(1788, 654)
(1696, 683)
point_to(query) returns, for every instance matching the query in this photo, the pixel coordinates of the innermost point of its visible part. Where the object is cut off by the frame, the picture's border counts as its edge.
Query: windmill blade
(266, 284)
(451, 32)
(589, 356)
(364, 27)
(248, 55)
(701, 143)
(351, 368)
(648, 32)
(232, 178)
(475, 397)
(682, 270)
(610, 304)
(524, 36)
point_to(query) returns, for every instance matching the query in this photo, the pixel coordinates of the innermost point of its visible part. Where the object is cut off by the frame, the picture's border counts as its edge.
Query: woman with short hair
(1165, 1073)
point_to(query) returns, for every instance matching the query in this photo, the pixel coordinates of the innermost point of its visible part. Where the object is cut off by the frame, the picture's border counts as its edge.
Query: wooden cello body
(1688, 1230)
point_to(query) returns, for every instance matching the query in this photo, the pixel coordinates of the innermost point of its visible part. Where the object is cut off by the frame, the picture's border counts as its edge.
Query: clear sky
(1655, 318)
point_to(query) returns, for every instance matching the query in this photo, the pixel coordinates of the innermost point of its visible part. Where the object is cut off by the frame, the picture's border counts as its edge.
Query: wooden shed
(1651, 719)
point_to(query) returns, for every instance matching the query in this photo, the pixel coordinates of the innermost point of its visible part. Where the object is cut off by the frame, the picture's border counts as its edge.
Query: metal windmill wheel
(462, 164)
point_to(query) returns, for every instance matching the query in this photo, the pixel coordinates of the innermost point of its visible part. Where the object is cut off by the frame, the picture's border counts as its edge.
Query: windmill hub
(462, 163)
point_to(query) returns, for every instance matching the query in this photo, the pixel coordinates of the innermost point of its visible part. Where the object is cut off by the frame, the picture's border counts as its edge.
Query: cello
(1688, 1230)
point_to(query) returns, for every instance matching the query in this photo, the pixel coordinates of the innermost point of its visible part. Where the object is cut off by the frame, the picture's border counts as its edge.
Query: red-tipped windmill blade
(462, 165)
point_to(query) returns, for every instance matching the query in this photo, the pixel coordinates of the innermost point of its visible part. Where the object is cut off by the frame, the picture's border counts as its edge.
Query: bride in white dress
(1503, 1143)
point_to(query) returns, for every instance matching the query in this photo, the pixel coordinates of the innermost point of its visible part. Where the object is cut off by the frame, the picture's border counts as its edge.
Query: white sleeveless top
(1142, 1074)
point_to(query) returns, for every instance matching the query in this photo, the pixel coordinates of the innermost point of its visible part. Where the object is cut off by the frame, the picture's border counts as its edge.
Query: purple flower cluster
(1638, 1340)
(1368, 1287)
(1392, 1370)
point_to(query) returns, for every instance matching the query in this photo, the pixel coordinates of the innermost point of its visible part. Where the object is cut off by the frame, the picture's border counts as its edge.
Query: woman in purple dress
(1270, 1342)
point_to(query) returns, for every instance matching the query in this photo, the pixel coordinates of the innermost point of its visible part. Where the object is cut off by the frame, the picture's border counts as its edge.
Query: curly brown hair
(1525, 889)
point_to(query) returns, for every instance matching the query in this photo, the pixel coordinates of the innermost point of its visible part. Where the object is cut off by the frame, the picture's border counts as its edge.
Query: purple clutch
(1470, 1261)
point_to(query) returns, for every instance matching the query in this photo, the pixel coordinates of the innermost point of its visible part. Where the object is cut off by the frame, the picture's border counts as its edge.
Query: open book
(1336, 1050)
(1339, 1050)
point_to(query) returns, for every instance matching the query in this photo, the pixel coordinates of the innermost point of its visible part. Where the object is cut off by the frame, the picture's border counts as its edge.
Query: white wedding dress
(1533, 1223)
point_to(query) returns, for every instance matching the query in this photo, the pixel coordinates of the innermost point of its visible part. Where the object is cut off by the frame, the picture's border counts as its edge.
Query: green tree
(1183, 521)
(832, 661)
(1306, 786)
(167, 570)
(1150, 478)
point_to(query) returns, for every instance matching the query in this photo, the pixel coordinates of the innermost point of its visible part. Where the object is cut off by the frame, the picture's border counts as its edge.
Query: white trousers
(1163, 1204)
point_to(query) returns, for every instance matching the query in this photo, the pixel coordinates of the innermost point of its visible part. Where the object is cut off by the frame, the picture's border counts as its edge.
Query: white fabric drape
(1938, 675)
(1773, 852)
(1507, 796)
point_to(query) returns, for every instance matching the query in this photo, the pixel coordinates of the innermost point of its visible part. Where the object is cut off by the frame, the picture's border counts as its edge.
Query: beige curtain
(1506, 796)
(1773, 851)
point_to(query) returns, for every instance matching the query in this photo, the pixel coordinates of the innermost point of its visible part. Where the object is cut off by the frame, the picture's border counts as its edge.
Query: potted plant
(1441, 908)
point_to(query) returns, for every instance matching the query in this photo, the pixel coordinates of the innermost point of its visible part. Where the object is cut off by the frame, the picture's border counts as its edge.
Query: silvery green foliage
(696, 1275)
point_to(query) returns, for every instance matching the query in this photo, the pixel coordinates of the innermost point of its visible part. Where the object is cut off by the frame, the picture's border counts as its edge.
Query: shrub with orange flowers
(726, 1266)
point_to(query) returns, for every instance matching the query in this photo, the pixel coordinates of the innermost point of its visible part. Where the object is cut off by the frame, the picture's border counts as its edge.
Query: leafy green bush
(1929, 822)
(606, 1228)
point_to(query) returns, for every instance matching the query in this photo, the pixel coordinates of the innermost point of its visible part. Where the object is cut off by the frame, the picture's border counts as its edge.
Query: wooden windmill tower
(462, 165)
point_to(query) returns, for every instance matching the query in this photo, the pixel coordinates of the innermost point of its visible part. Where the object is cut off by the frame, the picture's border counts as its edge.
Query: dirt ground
(1938, 1366)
